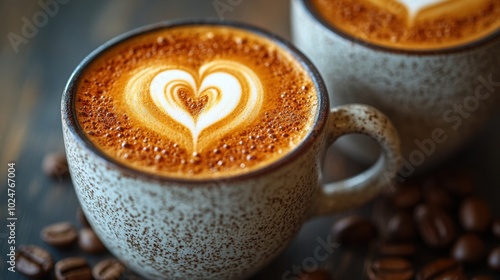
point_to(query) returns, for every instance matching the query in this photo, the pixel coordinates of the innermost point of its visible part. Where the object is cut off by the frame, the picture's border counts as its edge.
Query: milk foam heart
(232, 95)
(429, 9)
(223, 90)
(415, 6)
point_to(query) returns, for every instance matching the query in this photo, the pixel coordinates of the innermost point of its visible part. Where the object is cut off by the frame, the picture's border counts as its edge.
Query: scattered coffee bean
(354, 231)
(89, 242)
(401, 227)
(33, 261)
(460, 183)
(80, 217)
(483, 277)
(59, 235)
(475, 214)
(495, 228)
(439, 198)
(391, 268)
(319, 274)
(108, 269)
(452, 275)
(55, 165)
(397, 249)
(440, 269)
(469, 248)
(494, 259)
(73, 268)
(435, 226)
(406, 196)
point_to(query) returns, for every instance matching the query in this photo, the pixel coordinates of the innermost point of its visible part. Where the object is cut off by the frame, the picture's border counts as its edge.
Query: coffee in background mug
(196, 148)
(431, 66)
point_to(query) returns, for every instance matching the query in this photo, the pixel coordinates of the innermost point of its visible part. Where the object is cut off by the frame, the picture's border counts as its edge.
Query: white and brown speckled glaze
(166, 228)
(214, 230)
(414, 89)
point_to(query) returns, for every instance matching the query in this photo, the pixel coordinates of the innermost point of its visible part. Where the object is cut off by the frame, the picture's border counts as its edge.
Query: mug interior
(456, 49)
(70, 120)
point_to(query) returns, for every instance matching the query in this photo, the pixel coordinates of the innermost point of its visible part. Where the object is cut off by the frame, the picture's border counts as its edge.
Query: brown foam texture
(286, 115)
(386, 22)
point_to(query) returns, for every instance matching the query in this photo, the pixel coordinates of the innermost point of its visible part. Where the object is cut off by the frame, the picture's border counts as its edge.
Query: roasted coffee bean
(72, 269)
(89, 242)
(108, 269)
(439, 198)
(59, 235)
(397, 249)
(494, 259)
(33, 261)
(469, 248)
(435, 226)
(452, 275)
(495, 228)
(354, 231)
(483, 277)
(460, 183)
(391, 269)
(80, 217)
(406, 196)
(319, 274)
(401, 227)
(55, 165)
(475, 214)
(440, 269)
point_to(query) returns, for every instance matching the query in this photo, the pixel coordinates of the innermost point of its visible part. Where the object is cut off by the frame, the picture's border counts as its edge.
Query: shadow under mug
(229, 227)
(437, 99)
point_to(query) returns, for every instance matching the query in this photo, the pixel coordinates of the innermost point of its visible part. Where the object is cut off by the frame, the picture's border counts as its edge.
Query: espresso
(411, 24)
(196, 101)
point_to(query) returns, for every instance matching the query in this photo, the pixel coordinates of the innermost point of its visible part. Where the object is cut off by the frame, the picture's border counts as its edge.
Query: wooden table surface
(34, 70)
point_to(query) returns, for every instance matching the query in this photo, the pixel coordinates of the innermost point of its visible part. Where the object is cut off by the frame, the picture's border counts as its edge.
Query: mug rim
(70, 121)
(417, 52)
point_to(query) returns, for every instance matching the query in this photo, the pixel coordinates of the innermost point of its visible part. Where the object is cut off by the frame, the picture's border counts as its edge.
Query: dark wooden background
(31, 82)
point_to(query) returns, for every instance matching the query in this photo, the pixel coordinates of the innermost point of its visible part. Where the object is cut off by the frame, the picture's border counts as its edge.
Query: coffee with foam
(229, 94)
(412, 24)
(202, 101)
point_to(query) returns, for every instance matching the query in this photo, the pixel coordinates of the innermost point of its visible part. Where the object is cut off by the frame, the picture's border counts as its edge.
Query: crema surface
(196, 102)
(412, 24)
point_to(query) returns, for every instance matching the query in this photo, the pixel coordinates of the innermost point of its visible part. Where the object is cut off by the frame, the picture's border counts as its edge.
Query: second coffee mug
(196, 148)
(433, 69)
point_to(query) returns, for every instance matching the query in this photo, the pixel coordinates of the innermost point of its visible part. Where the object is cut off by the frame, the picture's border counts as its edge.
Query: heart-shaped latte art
(223, 91)
(412, 7)
(415, 6)
(207, 105)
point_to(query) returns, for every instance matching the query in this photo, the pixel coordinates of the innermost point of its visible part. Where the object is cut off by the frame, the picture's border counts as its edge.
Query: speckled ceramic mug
(437, 100)
(225, 228)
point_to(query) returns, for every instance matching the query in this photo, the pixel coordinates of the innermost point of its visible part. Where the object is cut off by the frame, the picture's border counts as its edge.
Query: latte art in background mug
(420, 62)
(413, 24)
(197, 101)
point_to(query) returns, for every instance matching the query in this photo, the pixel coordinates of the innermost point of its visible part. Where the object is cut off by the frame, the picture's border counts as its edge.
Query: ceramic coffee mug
(229, 227)
(437, 99)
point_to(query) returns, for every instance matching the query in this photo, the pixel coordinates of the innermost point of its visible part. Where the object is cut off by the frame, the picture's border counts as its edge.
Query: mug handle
(352, 192)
